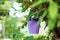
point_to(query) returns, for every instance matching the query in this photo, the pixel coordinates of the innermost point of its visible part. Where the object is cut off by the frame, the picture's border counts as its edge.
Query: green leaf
(29, 38)
(1, 2)
(19, 1)
(58, 23)
(18, 36)
(23, 21)
(44, 14)
(53, 10)
(5, 6)
(51, 24)
(27, 0)
(24, 9)
(37, 3)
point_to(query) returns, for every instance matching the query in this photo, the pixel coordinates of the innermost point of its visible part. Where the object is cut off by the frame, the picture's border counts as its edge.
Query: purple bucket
(33, 27)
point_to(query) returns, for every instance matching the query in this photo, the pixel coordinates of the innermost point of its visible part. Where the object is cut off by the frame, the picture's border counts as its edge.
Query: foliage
(52, 14)
(11, 26)
(42, 9)
(45, 10)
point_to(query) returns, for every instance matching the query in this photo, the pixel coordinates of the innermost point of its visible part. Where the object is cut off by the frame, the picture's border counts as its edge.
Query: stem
(3, 31)
(3, 28)
(35, 4)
